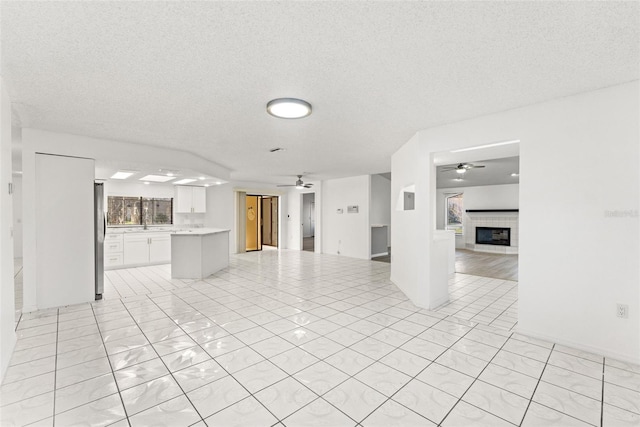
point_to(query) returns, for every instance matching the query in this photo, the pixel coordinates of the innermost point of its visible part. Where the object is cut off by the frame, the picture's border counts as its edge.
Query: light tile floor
(17, 280)
(293, 339)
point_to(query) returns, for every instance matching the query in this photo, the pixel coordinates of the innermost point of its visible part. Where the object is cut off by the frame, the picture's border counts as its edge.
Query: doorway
(269, 210)
(308, 221)
(261, 222)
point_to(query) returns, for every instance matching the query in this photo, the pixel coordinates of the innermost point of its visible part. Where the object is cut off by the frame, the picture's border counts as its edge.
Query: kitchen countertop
(140, 230)
(199, 231)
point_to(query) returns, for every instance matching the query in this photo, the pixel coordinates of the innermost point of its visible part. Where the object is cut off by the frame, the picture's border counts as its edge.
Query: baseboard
(599, 351)
(380, 254)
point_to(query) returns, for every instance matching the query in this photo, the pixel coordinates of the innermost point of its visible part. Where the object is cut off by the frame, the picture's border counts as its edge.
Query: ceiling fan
(462, 167)
(299, 184)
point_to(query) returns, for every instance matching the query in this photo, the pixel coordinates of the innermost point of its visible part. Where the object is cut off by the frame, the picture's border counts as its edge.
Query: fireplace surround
(491, 218)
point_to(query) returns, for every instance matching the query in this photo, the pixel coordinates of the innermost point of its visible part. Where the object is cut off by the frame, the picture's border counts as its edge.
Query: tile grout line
(319, 359)
(212, 358)
(124, 408)
(538, 383)
(165, 365)
(602, 396)
(55, 372)
(474, 381)
(415, 377)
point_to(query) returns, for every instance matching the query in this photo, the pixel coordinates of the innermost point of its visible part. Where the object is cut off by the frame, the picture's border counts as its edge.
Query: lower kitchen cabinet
(160, 249)
(136, 249)
(139, 249)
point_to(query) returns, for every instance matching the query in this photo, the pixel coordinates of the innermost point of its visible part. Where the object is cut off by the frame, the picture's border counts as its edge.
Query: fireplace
(493, 236)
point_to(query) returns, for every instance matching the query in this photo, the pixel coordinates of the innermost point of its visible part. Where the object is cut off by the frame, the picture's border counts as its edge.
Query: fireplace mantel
(493, 210)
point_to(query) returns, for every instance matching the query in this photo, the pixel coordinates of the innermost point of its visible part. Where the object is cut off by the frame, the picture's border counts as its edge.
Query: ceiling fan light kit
(288, 108)
(462, 167)
(300, 185)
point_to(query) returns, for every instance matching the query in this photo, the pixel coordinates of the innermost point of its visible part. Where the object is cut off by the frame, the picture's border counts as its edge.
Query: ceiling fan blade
(308, 185)
(285, 185)
(447, 169)
(476, 167)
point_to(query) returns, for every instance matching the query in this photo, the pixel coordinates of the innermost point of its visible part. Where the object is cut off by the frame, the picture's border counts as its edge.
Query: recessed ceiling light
(458, 179)
(496, 144)
(218, 183)
(206, 185)
(121, 175)
(169, 174)
(156, 178)
(201, 178)
(289, 108)
(184, 181)
(515, 174)
(146, 183)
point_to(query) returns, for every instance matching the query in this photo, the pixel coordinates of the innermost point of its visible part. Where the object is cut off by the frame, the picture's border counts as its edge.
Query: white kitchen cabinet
(160, 248)
(147, 248)
(113, 245)
(199, 200)
(136, 249)
(190, 199)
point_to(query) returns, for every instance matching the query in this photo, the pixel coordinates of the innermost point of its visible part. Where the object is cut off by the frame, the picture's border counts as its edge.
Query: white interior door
(312, 217)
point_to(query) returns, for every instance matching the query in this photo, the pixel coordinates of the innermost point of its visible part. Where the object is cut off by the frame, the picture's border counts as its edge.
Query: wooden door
(252, 216)
(266, 221)
(270, 220)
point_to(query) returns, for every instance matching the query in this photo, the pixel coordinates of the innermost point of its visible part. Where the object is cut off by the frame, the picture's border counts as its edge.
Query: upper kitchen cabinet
(190, 199)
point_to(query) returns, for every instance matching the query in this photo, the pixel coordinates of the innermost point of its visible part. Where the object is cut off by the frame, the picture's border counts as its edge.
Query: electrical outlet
(622, 311)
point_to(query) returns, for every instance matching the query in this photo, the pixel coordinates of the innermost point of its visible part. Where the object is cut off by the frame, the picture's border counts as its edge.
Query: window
(125, 210)
(454, 213)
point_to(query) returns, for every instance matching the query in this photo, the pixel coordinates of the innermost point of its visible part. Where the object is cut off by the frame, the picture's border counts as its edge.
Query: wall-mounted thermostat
(339, 211)
(352, 209)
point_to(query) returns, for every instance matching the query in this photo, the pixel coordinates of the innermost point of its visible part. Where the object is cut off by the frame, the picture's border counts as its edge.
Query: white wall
(481, 197)
(348, 234)
(7, 308)
(576, 279)
(409, 249)
(380, 212)
(221, 211)
(17, 215)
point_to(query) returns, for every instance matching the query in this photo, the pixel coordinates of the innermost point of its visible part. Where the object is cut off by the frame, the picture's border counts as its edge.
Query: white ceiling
(197, 75)
(495, 172)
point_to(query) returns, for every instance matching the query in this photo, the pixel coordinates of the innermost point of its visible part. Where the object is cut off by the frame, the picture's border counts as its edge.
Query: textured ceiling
(197, 75)
(495, 172)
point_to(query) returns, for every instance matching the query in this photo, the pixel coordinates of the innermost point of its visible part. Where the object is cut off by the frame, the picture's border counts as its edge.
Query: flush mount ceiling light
(121, 175)
(288, 108)
(156, 178)
(184, 181)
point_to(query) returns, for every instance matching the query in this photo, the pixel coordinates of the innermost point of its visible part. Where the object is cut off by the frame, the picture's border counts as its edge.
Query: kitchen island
(198, 253)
